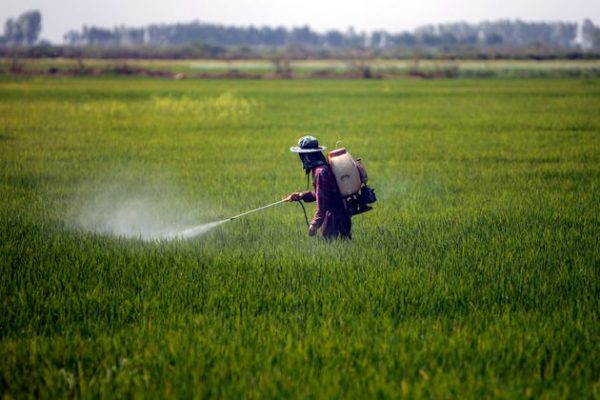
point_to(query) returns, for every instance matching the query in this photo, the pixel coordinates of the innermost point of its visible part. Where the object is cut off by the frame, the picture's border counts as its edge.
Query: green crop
(389, 68)
(475, 276)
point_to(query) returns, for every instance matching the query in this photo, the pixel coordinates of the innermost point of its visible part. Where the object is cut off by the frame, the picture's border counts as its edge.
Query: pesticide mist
(199, 230)
(147, 217)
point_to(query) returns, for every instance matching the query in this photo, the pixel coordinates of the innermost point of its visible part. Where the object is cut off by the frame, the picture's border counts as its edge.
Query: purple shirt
(331, 215)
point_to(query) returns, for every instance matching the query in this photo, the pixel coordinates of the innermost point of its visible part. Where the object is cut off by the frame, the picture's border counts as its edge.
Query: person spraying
(331, 215)
(340, 190)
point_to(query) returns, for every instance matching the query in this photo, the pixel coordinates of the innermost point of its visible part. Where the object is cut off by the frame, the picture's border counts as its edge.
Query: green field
(385, 68)
(476, 276)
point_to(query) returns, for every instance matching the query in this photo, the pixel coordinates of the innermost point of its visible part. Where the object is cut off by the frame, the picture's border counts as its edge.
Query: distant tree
(23, 31)
(379, 40)
(353, 39)
(493, 39)
(334, 39)
(304, 36)
(277, 36)
(460, 33)
(590, 35)
(404, 39)
(72, 38)
(99, 36)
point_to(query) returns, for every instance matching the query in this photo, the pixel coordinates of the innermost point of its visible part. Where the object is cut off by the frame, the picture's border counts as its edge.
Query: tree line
(501, 34)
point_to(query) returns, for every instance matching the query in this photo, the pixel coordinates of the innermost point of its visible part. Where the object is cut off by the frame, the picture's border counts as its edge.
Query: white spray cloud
(199, 229)
(147, 216)
(133, 218)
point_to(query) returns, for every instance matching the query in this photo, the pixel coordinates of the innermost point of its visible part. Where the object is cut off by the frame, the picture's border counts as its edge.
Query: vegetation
(201, 51)
(282, 68)
(513, 34)
(23, 31)
(489, 39)
(475, 276)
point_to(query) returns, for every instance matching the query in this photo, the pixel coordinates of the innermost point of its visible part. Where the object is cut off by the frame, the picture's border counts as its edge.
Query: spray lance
(269, 206)
(201, 229)
(256, 210)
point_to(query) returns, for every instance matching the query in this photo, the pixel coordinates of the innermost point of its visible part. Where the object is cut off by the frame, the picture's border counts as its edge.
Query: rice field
(380, 68)
(475, 276)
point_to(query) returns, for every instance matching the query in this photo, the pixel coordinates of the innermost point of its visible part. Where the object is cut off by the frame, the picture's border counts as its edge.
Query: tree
(590, 35)
(24, 30)
(493, 39)
(334, 39)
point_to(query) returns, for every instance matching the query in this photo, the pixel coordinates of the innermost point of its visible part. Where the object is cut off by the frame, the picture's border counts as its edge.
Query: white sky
(59, 16)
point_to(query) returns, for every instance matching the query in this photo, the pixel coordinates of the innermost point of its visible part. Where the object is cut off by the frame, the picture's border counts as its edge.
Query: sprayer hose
(304, 211)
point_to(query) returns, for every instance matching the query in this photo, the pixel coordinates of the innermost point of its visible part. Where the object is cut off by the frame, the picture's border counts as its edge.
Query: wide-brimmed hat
(307, 144)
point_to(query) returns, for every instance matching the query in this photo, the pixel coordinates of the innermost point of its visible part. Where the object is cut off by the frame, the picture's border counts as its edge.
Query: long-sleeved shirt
(330, 215)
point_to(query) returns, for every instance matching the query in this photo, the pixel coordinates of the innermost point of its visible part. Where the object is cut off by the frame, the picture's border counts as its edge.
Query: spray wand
(257, 209)
(201, 229)
(271, 205)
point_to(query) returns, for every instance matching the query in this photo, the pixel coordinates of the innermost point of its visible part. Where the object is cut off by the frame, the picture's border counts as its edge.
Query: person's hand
(296, 196)
(312, 230)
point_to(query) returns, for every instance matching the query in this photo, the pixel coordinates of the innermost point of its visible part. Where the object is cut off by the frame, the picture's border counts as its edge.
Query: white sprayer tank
(345, 171)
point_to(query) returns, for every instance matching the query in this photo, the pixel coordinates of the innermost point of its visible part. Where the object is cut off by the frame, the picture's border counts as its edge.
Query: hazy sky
(59, 16)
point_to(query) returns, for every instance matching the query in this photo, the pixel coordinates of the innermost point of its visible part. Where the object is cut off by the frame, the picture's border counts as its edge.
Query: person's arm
(322, 197)
(307, 196)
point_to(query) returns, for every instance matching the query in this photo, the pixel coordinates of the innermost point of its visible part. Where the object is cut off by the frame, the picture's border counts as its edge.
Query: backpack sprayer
(351, 177)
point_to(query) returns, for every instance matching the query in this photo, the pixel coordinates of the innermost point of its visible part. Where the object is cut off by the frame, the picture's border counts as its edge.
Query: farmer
(330, 216)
